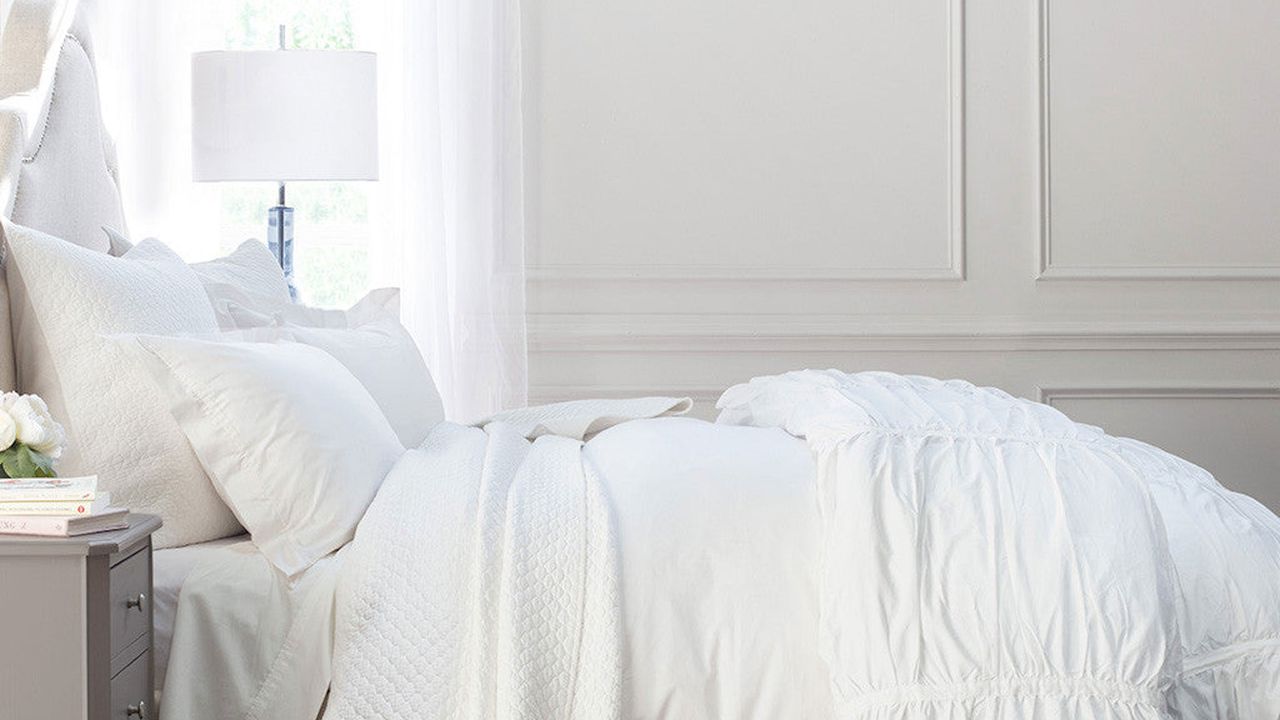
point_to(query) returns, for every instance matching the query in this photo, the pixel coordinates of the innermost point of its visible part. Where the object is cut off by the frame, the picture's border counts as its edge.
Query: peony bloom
(34, 426)
(8, 430)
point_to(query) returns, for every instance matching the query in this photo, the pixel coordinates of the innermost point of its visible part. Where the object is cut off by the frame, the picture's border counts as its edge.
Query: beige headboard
(57, 164)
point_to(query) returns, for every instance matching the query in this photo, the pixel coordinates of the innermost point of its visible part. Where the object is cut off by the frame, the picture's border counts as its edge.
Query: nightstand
(75, 625)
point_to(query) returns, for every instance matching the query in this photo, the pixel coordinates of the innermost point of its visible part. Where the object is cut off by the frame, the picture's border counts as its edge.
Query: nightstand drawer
(130, 594)
(131, 691)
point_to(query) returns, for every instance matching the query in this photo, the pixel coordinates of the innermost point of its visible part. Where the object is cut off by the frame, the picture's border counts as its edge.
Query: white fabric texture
(483, 583)
(714, 618)
(382, 356)
(718, 535)
(581, 419)
(169, 571)
(64, 299)
(144, 51)
(370, 342)
(61, 153)
(448, 208)
(985, 557)
(250, 643)
(249, 276)
(376, 304)
(118, 243)
(292, 442)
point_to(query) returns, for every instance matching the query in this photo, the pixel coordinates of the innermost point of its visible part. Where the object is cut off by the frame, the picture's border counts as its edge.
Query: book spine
(46, 495)
(47, 526)
(46, 508)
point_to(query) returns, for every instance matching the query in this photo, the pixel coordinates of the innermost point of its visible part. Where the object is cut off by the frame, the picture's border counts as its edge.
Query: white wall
(719, 189)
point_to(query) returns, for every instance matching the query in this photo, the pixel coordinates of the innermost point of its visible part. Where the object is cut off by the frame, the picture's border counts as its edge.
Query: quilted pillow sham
(249, 276)
(64, 299)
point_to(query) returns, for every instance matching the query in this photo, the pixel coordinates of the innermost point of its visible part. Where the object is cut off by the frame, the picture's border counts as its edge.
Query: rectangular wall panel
(747, 140)
(1160, 140)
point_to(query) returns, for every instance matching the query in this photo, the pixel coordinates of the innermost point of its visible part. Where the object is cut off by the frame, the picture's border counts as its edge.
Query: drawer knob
(139, 710)
(139, 601)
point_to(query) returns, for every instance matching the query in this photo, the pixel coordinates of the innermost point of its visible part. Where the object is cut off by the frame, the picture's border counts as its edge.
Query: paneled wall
(1076, 201)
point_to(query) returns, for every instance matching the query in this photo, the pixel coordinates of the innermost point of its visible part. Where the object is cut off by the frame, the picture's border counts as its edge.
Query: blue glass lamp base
(280, 242)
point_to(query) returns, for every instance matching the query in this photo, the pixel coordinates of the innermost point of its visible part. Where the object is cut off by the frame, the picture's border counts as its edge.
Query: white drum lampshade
(282, 116)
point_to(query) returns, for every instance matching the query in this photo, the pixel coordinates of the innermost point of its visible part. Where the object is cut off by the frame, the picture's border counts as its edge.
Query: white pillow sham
(379, 303)
(249, 276)
(294, 444)
(372, 344)
(64, 299)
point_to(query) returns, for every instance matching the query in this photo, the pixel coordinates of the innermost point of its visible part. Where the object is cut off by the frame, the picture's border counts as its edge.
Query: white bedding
(718, 532)
(248, 642)
(169, 571)
(863, 546)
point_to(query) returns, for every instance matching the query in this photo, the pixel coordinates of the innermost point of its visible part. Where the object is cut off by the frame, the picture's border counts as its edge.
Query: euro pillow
(293, 443)
(249, 276)
(374, 347)
(64, 299)
(378, 303)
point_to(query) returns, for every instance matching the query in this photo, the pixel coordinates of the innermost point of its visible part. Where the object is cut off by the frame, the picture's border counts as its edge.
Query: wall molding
(583, 333)
(1219, 391)
(1046, 268)
(954, 270)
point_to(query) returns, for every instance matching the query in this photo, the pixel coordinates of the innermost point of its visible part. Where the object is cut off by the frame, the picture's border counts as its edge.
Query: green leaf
(20, 461)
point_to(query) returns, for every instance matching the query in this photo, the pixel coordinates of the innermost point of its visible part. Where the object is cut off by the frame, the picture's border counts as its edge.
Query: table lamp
(284, 116)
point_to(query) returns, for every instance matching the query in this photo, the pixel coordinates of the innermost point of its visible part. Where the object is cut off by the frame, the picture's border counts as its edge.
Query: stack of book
(58, 507)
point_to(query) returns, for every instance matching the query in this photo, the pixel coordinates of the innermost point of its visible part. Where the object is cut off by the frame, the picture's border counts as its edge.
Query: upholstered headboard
(57, 164)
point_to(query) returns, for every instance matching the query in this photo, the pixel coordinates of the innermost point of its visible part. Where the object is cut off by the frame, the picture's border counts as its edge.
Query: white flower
(35, 428)
(8, 430)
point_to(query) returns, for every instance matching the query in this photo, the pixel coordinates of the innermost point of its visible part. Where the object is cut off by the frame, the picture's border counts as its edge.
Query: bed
(861, 545)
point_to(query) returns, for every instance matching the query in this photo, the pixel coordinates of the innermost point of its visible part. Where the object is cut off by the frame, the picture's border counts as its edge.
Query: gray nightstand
(75, 625)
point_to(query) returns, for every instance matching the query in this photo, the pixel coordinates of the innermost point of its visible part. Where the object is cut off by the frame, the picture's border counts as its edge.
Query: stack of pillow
(201, 393)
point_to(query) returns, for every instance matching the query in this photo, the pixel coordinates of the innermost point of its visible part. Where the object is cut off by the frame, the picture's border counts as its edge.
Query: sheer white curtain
(447, 212)
(143, 50)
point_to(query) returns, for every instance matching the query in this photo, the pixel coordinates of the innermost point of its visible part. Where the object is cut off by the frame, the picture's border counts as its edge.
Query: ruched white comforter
(985, 557)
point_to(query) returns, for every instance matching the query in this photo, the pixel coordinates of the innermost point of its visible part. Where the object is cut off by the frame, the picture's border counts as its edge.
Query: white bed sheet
(170, 568)
(247, 641)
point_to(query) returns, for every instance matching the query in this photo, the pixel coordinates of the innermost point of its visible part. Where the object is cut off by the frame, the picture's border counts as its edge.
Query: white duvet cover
(983, 556)
(852, 546)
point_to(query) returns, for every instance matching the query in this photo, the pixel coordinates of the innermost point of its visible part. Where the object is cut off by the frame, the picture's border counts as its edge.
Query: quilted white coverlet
(482, 582)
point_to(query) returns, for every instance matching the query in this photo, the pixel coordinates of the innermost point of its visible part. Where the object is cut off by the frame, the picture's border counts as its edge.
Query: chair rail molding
(1222, 391)
(577, 333)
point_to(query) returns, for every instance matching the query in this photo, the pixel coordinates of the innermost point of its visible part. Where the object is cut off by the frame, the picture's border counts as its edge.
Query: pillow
(379, 303)
(249, 276)
(119, 244)
(64, 298)
(383, 357)
(370, 341)
(293, 443)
